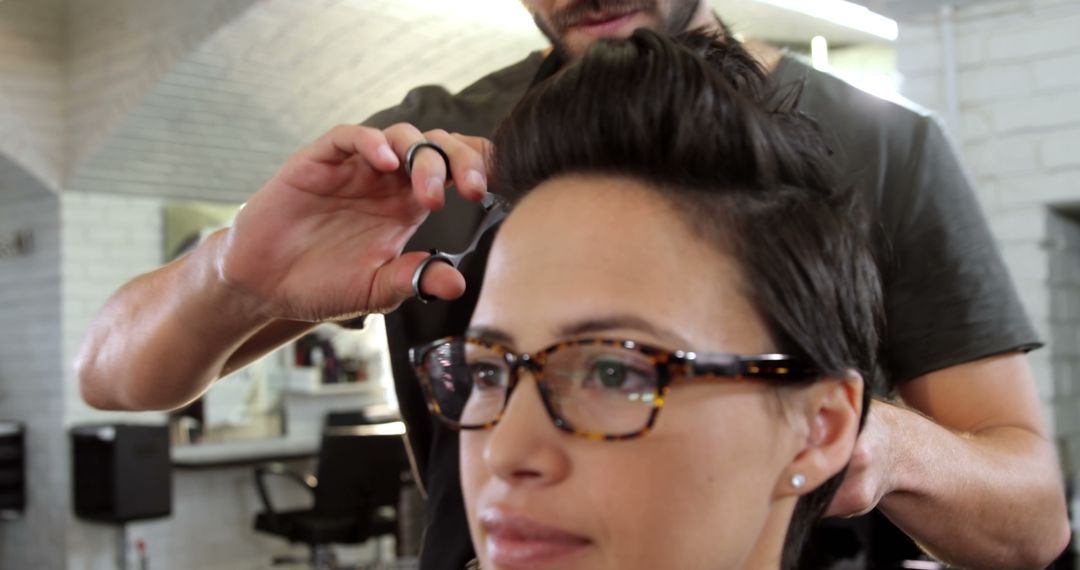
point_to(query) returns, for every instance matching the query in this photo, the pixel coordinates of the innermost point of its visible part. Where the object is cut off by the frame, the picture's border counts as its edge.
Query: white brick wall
(1019, 97)
(30, 368)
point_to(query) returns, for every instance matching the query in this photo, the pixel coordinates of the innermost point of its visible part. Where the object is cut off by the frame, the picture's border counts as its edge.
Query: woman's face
(607, 257)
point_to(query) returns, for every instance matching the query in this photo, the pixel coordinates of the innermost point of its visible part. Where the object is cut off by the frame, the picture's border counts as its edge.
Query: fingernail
(434, 186)
(477, 180)
(387, 154)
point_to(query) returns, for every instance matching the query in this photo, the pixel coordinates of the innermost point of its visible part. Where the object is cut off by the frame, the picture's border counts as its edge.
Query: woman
(666, 365)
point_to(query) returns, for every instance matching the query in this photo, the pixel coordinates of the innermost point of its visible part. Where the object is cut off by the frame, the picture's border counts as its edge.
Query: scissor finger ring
(435, 255)
(410, 154)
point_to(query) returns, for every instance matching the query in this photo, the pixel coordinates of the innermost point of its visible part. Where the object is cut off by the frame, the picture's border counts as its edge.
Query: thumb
(393, 282)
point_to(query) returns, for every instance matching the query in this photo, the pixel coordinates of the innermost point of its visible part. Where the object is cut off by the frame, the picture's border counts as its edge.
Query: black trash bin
(121, 472)
(12, 470)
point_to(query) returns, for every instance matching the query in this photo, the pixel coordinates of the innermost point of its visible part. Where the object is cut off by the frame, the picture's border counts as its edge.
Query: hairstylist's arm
(969, 471)
(322, 240)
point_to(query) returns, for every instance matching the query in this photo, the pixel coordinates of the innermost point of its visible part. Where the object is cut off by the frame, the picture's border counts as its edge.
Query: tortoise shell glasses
(598, 389)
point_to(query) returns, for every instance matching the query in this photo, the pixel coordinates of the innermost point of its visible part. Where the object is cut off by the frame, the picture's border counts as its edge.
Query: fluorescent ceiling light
(844, 13)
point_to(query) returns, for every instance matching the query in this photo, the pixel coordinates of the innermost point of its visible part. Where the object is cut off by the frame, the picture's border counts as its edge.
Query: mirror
(246, 404)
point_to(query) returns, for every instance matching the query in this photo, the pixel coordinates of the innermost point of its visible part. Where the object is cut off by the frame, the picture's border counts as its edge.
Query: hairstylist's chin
(515, 541)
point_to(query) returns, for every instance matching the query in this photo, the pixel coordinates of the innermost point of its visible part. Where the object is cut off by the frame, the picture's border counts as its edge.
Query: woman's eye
(616, 375)
(486, 375)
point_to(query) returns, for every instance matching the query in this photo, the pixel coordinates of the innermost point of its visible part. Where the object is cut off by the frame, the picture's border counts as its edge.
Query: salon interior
(130, 129)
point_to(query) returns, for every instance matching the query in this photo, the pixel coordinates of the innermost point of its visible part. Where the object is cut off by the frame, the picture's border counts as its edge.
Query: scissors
(495, 210)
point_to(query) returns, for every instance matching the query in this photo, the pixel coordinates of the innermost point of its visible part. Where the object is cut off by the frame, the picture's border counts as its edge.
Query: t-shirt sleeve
(423, 106)
(949, 297)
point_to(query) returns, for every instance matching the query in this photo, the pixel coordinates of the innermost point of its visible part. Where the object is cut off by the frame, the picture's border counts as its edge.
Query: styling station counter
(306, 410)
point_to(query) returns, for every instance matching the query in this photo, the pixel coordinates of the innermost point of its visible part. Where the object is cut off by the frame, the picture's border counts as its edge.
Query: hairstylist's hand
(868, 477)
(323, 238)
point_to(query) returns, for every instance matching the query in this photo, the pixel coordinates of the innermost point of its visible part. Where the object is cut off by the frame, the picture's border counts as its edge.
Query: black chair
(356, 492)
(346, 419)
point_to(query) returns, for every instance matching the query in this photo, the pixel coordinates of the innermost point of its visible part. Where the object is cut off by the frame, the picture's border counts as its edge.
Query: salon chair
(346, 419)
(355, 492)
(411, 518)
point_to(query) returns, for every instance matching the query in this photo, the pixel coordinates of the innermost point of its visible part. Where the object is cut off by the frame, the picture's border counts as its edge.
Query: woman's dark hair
(697, 119)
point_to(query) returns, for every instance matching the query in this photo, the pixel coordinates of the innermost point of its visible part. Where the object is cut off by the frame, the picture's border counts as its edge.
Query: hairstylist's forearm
(321, 240)
(982, 500)
(975, 491)
(163, 338)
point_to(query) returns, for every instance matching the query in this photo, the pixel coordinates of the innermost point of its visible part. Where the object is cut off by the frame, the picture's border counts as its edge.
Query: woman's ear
(832, 409)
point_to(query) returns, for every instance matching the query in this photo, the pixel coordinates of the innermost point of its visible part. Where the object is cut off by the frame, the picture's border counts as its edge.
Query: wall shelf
(366, 387)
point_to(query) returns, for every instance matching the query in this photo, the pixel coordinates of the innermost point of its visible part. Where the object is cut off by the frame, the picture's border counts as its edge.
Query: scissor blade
(494, 215)
(491, 200)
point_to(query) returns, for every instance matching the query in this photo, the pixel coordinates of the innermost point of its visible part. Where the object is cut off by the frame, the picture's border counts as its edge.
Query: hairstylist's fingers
(429, 172)
(345, 141)
(393, 281)
(468, 168)
(481, 145)
(441, 280)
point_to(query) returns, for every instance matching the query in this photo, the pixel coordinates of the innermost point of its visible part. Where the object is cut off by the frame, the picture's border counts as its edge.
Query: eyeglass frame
(669, 365)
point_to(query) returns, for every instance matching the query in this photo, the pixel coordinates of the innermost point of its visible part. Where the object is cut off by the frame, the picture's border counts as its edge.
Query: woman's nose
(525, 447)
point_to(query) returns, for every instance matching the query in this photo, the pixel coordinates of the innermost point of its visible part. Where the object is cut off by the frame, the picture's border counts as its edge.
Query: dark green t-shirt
(948, 296)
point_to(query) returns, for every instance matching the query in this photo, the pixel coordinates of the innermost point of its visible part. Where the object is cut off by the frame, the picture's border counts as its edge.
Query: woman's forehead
(601, 246)
(603, 213)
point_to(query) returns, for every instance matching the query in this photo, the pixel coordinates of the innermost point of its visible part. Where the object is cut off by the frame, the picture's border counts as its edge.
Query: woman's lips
(515, 541)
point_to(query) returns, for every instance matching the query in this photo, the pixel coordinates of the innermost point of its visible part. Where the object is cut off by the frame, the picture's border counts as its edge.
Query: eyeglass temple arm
(771, 366)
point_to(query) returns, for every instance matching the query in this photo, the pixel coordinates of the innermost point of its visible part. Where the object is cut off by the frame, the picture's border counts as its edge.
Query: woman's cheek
(474, 472)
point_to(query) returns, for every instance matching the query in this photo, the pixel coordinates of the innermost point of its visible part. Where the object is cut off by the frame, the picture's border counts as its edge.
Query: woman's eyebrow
(612, 322)
(490, 334)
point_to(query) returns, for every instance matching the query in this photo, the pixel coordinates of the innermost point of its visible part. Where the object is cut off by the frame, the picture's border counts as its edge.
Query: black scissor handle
(434, 256)
(410, 155)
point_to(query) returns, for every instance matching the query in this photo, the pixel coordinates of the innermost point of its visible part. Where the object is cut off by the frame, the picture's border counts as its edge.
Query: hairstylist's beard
(682, 13)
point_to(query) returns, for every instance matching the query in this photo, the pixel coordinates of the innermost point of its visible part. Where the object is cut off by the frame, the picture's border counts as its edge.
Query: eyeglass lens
(599, 389)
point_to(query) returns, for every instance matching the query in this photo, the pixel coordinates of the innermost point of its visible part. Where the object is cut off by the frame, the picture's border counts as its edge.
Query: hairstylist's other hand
(323, 238)
(868, 476)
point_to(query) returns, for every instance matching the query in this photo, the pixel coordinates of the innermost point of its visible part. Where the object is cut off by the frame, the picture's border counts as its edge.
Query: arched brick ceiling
(17, 181)
(223, 117)
(116, 50)
(31, 89)
(70, 68)
(205, 98)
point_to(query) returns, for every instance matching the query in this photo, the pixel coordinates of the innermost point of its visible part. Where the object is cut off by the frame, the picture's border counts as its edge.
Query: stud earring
(798, 480)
